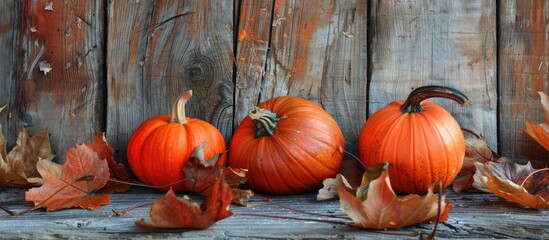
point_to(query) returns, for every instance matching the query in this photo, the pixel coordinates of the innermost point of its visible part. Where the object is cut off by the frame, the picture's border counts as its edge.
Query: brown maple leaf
(173, 212)
(514, 182)
(73, 183)
(117, 170)
(18, 167)
(540, 132)
(383, 210)
(477, 150)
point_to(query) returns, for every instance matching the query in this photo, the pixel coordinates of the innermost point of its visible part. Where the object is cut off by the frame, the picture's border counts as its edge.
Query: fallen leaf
(331, 186)
(18, 167)
(173, 212)
(477, 150)
(383, 210)
(73, 183)
(540, 132)
(510, 181)
(201, 174)
(117, 170)
(371, 173)
(240, 196)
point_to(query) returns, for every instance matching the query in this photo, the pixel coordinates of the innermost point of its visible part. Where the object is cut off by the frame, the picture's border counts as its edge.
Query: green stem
(264, 120)
(178, 108)
(413, 102)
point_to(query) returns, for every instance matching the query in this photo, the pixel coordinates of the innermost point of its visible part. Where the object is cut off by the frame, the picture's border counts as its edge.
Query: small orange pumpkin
(161, 146)
(421, 140)
(288, 144)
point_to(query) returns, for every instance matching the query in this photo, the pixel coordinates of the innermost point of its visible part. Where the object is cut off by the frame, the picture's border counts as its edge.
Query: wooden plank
(451, 43)
(318, 50)
(473, 216)
(9, 34)
(524, 70)
(157, 50)
(68, 99)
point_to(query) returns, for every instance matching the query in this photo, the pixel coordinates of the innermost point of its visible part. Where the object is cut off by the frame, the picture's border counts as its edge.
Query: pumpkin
(288, 144)
(161, 146)
(421, 140)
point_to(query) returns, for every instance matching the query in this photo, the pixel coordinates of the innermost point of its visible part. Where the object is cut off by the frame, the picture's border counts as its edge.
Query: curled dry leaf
(477, 150)
(173, 212)
(201, 174)
(540, 132)
(73, 183)
(383, 210)
(331, 186)
(510, 181)
(18, 167)
(117, 170)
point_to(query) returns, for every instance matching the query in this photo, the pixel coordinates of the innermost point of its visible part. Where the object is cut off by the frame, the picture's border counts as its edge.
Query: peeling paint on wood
(524, 70)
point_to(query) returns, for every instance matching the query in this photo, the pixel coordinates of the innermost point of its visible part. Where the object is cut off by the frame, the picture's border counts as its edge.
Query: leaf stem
(531, 174)
(301, 211)
(127, 210)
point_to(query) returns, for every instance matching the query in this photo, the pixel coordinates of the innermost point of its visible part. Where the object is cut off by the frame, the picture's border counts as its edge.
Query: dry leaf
(201, 174)
(371, 173)
(117, 170)
(383, 210)
(18, 167)
(73, 183)
(241, 195)
(173, 212)
(540, 132)
(477, 150)
(331, 186)
(508, 181)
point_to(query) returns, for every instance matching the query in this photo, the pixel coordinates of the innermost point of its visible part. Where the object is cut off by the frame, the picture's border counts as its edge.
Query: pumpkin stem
(265, 121)
(178, 108)
(413, 102)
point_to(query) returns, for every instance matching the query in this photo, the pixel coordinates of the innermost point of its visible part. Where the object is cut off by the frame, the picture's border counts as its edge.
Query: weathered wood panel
(451, 43)
(524, 70)
(157, 50)
(9, 39)
(54, 53)
(317, 50)
(474, 216)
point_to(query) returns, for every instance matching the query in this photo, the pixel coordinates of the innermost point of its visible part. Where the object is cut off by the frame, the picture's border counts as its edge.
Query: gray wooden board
(473, 216)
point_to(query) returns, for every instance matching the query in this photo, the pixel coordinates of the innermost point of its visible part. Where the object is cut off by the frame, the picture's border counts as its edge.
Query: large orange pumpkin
(288, 144)
(421, 140)
(161, 146)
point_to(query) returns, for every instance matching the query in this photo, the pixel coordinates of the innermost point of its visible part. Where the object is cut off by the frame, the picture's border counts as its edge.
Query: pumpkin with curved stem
(161, 146)
(288, 144)
(421, 140)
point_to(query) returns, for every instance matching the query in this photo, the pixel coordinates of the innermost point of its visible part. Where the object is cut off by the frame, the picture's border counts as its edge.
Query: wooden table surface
(474, 216)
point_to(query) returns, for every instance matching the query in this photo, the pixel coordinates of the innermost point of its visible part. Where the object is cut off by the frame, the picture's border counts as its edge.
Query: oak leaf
(382, 209)
(540, 132)
(117, 171)
(173, 212)
(18, 167)
(73, 183)
(516, 183)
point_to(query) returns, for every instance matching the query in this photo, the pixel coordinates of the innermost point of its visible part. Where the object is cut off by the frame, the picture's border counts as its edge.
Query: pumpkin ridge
(310, 138)
(280, 151)
(384, 145)
(287, 154)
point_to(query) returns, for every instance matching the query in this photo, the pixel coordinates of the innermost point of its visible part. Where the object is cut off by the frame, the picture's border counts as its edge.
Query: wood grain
(524, 70)
(157, 50)
(9, 41)
(474, 216)
(68, 99)
(318, 51)
(450, 43)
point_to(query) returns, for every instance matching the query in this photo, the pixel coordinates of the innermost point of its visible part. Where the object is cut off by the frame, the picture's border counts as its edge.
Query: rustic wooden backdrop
(116, 63)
